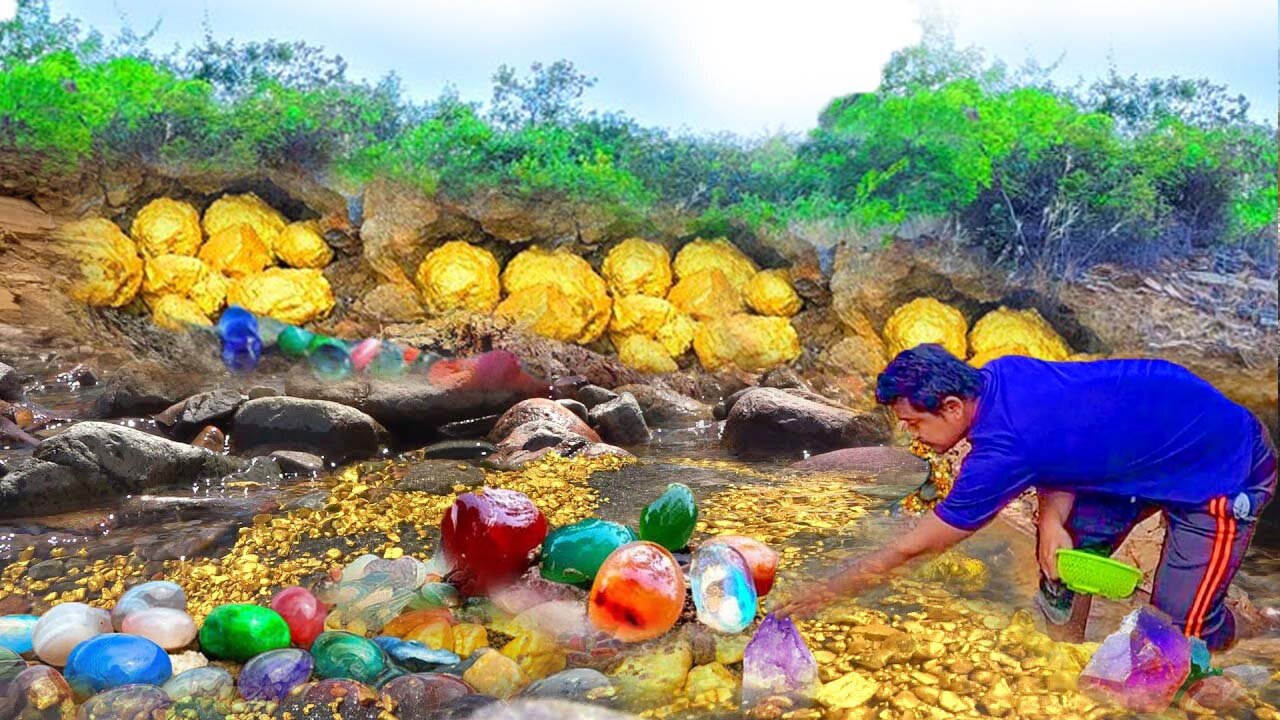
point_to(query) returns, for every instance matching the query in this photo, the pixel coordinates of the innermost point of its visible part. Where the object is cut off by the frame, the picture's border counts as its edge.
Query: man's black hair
(924, 375)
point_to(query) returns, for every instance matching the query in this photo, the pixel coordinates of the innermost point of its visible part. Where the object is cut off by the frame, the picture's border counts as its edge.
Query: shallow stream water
(199, 531)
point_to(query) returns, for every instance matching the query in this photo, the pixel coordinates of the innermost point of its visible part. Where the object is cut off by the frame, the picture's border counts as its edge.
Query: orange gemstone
(401, 625)
(638, 593)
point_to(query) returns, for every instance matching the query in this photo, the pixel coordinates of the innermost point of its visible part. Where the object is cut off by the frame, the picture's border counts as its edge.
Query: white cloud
(8, 9)
(744, 66)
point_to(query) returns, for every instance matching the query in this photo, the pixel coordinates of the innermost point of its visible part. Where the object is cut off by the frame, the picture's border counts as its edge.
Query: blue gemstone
(236, 318)
(15, 632)
(115, 659)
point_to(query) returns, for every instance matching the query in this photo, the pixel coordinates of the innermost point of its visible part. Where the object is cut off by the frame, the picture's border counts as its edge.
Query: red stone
(761, 559)
(487, 537)
(303, 613)
(638, 593)
(495, 371)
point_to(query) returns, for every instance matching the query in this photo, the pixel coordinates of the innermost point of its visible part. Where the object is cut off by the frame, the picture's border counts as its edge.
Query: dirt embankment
(1215, 315)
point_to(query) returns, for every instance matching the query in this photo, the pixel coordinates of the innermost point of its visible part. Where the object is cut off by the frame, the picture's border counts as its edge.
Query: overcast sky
(711, 65)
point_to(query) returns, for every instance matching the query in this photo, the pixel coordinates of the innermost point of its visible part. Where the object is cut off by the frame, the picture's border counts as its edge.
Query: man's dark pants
(1202, 551)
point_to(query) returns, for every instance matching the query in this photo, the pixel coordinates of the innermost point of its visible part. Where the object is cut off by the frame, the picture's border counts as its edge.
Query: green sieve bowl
(1086, 572)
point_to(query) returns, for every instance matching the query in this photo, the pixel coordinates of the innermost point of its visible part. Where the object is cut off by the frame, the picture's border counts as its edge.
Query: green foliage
(551, 95)
(1040, 175)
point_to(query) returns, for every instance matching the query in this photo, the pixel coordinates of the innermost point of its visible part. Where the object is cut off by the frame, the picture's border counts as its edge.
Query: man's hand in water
(807, 600)
(929, 536)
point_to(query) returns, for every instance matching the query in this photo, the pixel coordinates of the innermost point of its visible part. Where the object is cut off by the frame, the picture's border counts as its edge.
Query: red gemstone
(303, 613)
(488, 535)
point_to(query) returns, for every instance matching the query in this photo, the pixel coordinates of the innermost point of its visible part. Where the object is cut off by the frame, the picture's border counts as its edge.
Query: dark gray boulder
(662, 406)
(208, 408)
(92, 462)
(768, 420)
(335, 432)
(620, 421)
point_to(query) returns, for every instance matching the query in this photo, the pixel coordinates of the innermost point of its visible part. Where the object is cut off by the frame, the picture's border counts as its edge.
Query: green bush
(1039, 175)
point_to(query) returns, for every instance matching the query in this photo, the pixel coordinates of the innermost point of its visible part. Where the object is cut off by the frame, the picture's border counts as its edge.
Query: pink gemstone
(303, 613)
(364, 352)
(167, 627)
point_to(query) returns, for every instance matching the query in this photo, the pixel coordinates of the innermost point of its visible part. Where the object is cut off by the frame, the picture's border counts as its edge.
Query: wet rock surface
(439, 477)
(338, 432)
(593, 395)
(577, 408)
(209, 408)
(92, 460)
(531, 440)
(863, 459)
(662, 406)
(10, 383)
(458, 450)
(409, 407)
(768, 419)
(621, 421)
(300, 463)
(142, 388)
(541, 410)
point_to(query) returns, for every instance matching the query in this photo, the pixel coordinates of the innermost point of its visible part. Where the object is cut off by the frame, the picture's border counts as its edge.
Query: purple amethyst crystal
(274, 674)
(1141, 665)
(777, 662)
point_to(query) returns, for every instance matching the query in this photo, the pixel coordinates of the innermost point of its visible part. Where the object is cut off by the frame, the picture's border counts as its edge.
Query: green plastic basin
(1086, 572)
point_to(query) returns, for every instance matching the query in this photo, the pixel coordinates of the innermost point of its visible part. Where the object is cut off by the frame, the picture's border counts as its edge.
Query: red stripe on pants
(1219, 561)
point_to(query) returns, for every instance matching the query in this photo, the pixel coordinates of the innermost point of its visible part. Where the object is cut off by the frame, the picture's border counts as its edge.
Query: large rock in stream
(413, 406)
(532, 428)
(770, 420)
(332, 430)
(92, 462)
(871, 460)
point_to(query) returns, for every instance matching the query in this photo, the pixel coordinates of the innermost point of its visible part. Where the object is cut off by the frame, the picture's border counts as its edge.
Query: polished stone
(274, 674)
(170, 629)
(63, 627)
(239, 631)
(724, 592)
(638, 593)
(669, 521)
(488, 536)
(113, 660)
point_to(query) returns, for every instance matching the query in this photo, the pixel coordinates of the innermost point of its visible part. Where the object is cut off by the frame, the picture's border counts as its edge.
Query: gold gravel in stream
(775, 513)
(923, 650)
(362, 504)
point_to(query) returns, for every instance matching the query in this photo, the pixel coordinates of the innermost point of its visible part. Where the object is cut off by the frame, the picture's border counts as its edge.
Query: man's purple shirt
(1148, 430)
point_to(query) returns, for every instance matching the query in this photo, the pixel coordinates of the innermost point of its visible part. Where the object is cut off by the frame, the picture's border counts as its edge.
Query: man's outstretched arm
(931, 535)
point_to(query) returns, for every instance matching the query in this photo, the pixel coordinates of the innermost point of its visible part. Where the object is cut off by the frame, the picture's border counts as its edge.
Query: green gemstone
(295, 342)
(318, 341)
(436, 595)
(574, 553)
(670, 519)
(239, 632)
(340, 654)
